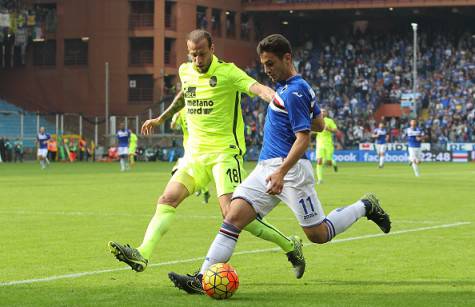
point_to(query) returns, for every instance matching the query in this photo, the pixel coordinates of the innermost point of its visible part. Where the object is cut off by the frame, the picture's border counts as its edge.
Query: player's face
(381, 125)
(324, 113)
(42, 130)
(413, 123)
(276, 68)
(201, 54)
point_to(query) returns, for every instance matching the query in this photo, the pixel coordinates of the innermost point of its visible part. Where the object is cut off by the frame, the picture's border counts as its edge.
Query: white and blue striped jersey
(123, 137)
(380, 135)
(412, 135)
(291, 111)
(43, 140)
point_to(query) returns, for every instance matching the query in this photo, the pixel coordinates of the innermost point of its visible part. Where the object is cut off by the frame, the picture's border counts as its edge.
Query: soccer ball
(220, 281)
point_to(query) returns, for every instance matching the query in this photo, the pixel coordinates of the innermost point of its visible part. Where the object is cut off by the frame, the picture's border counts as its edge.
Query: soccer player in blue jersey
(414, 138)
(42, 141)
(284, 172)
(123, 138)
(381, 137)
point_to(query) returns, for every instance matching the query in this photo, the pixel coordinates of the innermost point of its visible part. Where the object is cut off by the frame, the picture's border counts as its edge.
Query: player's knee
(319, 161)
(317, 237)
(317, 234)
(169, 199)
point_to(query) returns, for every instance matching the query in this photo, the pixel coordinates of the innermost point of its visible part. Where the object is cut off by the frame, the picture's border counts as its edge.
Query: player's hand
(275, 183)
(148, 125)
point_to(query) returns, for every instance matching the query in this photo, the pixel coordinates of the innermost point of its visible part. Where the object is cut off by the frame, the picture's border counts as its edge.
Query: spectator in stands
(353, 75)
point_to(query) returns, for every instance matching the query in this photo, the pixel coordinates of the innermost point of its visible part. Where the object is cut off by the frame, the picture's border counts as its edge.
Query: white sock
(222, 247)
(415, 167)
(122, 164)
(381, 160)
(341, 219)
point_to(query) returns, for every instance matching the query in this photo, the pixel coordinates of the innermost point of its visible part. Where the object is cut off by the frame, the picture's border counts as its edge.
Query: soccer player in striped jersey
(211, 95)
(284, 172)
(381, 137)
(123, 138)
(42, 141)
(415, 136)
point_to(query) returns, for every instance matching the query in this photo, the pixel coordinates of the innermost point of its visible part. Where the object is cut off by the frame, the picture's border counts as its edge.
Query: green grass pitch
(55, 225)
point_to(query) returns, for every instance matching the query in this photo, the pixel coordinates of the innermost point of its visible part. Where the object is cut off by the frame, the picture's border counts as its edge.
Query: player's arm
(374, 135)
(174, 123)
(298, 149)
(300, 121)
(177, 104)
(264, 92)
(331, 128)
(318, 124)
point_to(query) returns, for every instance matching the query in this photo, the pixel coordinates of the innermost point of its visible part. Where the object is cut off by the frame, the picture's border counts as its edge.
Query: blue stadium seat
(10, 123)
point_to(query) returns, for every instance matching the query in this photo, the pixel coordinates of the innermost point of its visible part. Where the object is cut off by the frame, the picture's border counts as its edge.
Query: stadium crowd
(353, 76)
(19, 25)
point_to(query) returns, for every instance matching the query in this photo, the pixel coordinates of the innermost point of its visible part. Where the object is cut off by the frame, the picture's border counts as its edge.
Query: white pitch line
(183, 216)
(256, 251)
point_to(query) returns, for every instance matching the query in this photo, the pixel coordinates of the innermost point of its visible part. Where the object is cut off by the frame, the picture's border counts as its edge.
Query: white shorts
(298, 193)
(42, 152)
(123, 151)
(380, 148)
(414, 154)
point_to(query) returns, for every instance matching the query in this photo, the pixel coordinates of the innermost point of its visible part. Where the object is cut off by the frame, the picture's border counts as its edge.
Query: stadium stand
(10, 123)
(354, 76)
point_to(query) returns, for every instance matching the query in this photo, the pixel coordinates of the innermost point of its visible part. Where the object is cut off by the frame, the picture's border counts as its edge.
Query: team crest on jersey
(190, 92)
(213, 81)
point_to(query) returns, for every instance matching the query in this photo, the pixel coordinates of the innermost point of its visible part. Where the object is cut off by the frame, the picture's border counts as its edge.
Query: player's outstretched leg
(129, 255)
(339, 220)
(296, 257)
(375, 213)
(292, 246)
(191, 283)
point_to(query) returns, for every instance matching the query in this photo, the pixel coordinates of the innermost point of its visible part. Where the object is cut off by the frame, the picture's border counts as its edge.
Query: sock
(415, 167)
(381, 160)
(263, 230)
(333, 163)
(42, 163)
(319, 171)
(122, 164)
(222, 247)
(158, 226)
(341, 219)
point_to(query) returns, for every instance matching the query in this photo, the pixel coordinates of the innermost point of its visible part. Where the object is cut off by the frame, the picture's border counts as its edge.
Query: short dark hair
(197, 35)
(275, 43)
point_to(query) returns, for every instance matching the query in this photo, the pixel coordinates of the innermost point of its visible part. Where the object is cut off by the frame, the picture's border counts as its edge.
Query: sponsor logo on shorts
(310, 215)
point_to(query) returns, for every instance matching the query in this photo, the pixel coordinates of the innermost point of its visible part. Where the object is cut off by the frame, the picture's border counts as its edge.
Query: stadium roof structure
(269, 5)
